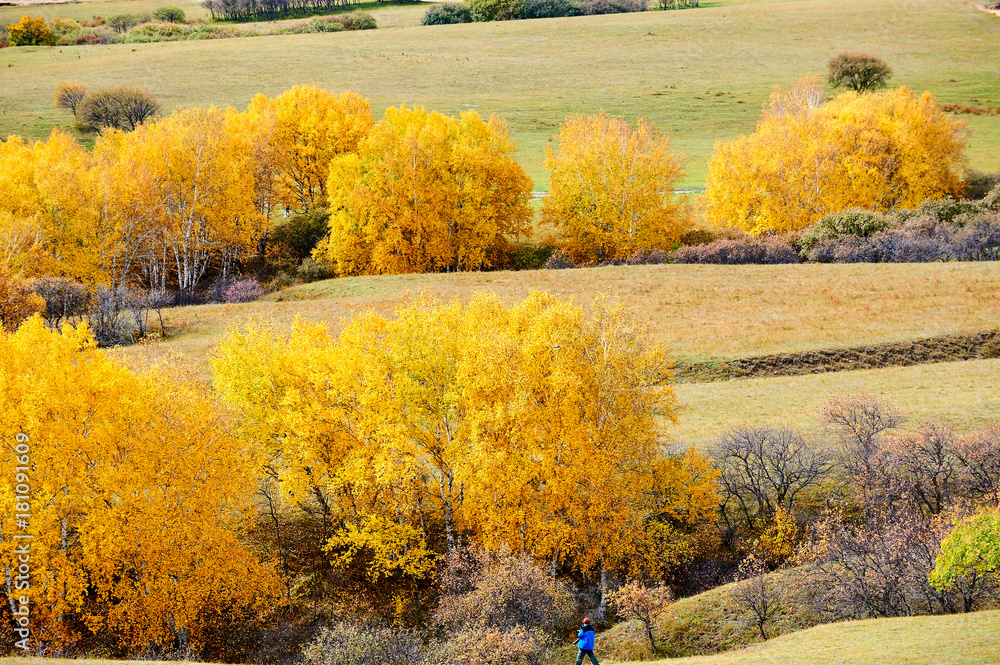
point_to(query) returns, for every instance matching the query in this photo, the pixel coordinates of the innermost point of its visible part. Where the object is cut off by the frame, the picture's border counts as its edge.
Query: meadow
(700, 74)
(700, 312)
(965, 639)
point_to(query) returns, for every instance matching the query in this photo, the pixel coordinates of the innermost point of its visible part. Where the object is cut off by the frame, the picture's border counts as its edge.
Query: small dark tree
(68, 96)
(860, 72)
(757, 594)
(120, 108)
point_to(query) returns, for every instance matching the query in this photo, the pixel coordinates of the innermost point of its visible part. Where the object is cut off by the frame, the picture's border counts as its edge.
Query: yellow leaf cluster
(137, 486)
(612, 188)
(876, 151)
(531, 427)
(425, 192)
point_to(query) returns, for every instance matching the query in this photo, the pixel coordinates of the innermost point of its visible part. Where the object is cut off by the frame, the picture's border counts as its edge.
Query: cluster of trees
(865, 515)
(270, 10)
(511, 10)
(367, 464)
(808, 159)
(119, 108)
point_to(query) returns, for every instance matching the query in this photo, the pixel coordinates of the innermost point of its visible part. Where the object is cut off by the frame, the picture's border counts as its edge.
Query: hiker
(585, 641)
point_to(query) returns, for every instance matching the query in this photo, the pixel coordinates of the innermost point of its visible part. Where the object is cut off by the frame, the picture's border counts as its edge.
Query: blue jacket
(585, 638)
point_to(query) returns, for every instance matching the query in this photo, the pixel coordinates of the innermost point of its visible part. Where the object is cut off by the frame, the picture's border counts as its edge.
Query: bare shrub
(244, 291)
(765, 468)
(64, 299)
(641, 603)
(928, 464)
(359, 644)
(977, 240)
(501, 590)
(979, 454)
(560, 260)
(493, 645)
(729, 251)
(68, 95)
(121, 108)
(757, 593)
(648, 257)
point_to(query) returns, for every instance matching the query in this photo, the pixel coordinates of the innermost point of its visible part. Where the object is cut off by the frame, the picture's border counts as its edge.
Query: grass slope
(963, 639)
(701, 312)
(701, 74)
(964, 394)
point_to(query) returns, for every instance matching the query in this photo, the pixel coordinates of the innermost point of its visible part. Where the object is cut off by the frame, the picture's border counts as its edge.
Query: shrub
(852, 222)
(68, 95)
(361, 21)
(496, 10)
(17, 301)
(514, 645)
(353, 644)
(122, 23)
(64, 26)
(169, 15)
(978, 240)
(727, 251)
(156, 32)
(30, 32)
(244, 291)
(120, 108)
(310, 271)
(323, 24)
(594, 7)
(530, 257)
(648, 257)
(978, 183)
(449, 12)
(64, 299)
(549, 8)
(860, 72)
(91, 38)
(559, 260)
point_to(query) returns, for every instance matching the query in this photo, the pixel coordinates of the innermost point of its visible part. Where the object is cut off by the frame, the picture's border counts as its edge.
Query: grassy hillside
(701, 312)
(963, 394)
(963, 639)
(701, 74)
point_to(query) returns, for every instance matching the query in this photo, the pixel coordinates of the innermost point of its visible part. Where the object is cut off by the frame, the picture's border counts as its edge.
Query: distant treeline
(266, 10)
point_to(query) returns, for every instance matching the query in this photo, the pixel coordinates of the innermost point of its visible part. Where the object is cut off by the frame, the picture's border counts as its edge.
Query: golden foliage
(306, 128)
(531, 427)
(17, 302)
(137, 487)
(612, 187)
(425, 193)
(873, 151)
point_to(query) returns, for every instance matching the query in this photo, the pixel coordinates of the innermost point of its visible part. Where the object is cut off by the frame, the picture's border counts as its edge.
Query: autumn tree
(612, 186)
(17, 301)
(68, 95)
(972, 548)
(530, 427)
(119, 108)
(874, 151)
(757, 592)
(425, 193)
(859, 72)
(307, 127)
(643, 604)
(138, 490)
(30, 32)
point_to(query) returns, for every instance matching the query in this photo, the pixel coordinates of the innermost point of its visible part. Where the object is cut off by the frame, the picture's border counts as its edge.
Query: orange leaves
(425, 192)
(137, 484)
(612, 185)
(874, 151)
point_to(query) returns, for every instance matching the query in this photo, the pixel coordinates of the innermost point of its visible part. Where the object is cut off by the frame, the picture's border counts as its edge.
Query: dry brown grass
(701, 312)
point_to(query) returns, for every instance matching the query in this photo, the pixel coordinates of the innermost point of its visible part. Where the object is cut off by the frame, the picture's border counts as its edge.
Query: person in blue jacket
(585, 641)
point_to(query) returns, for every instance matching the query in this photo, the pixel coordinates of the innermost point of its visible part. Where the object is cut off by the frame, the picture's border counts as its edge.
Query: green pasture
(701, 74)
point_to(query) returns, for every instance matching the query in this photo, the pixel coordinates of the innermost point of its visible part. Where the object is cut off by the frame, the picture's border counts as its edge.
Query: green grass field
(963, 639)
(701, 74)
